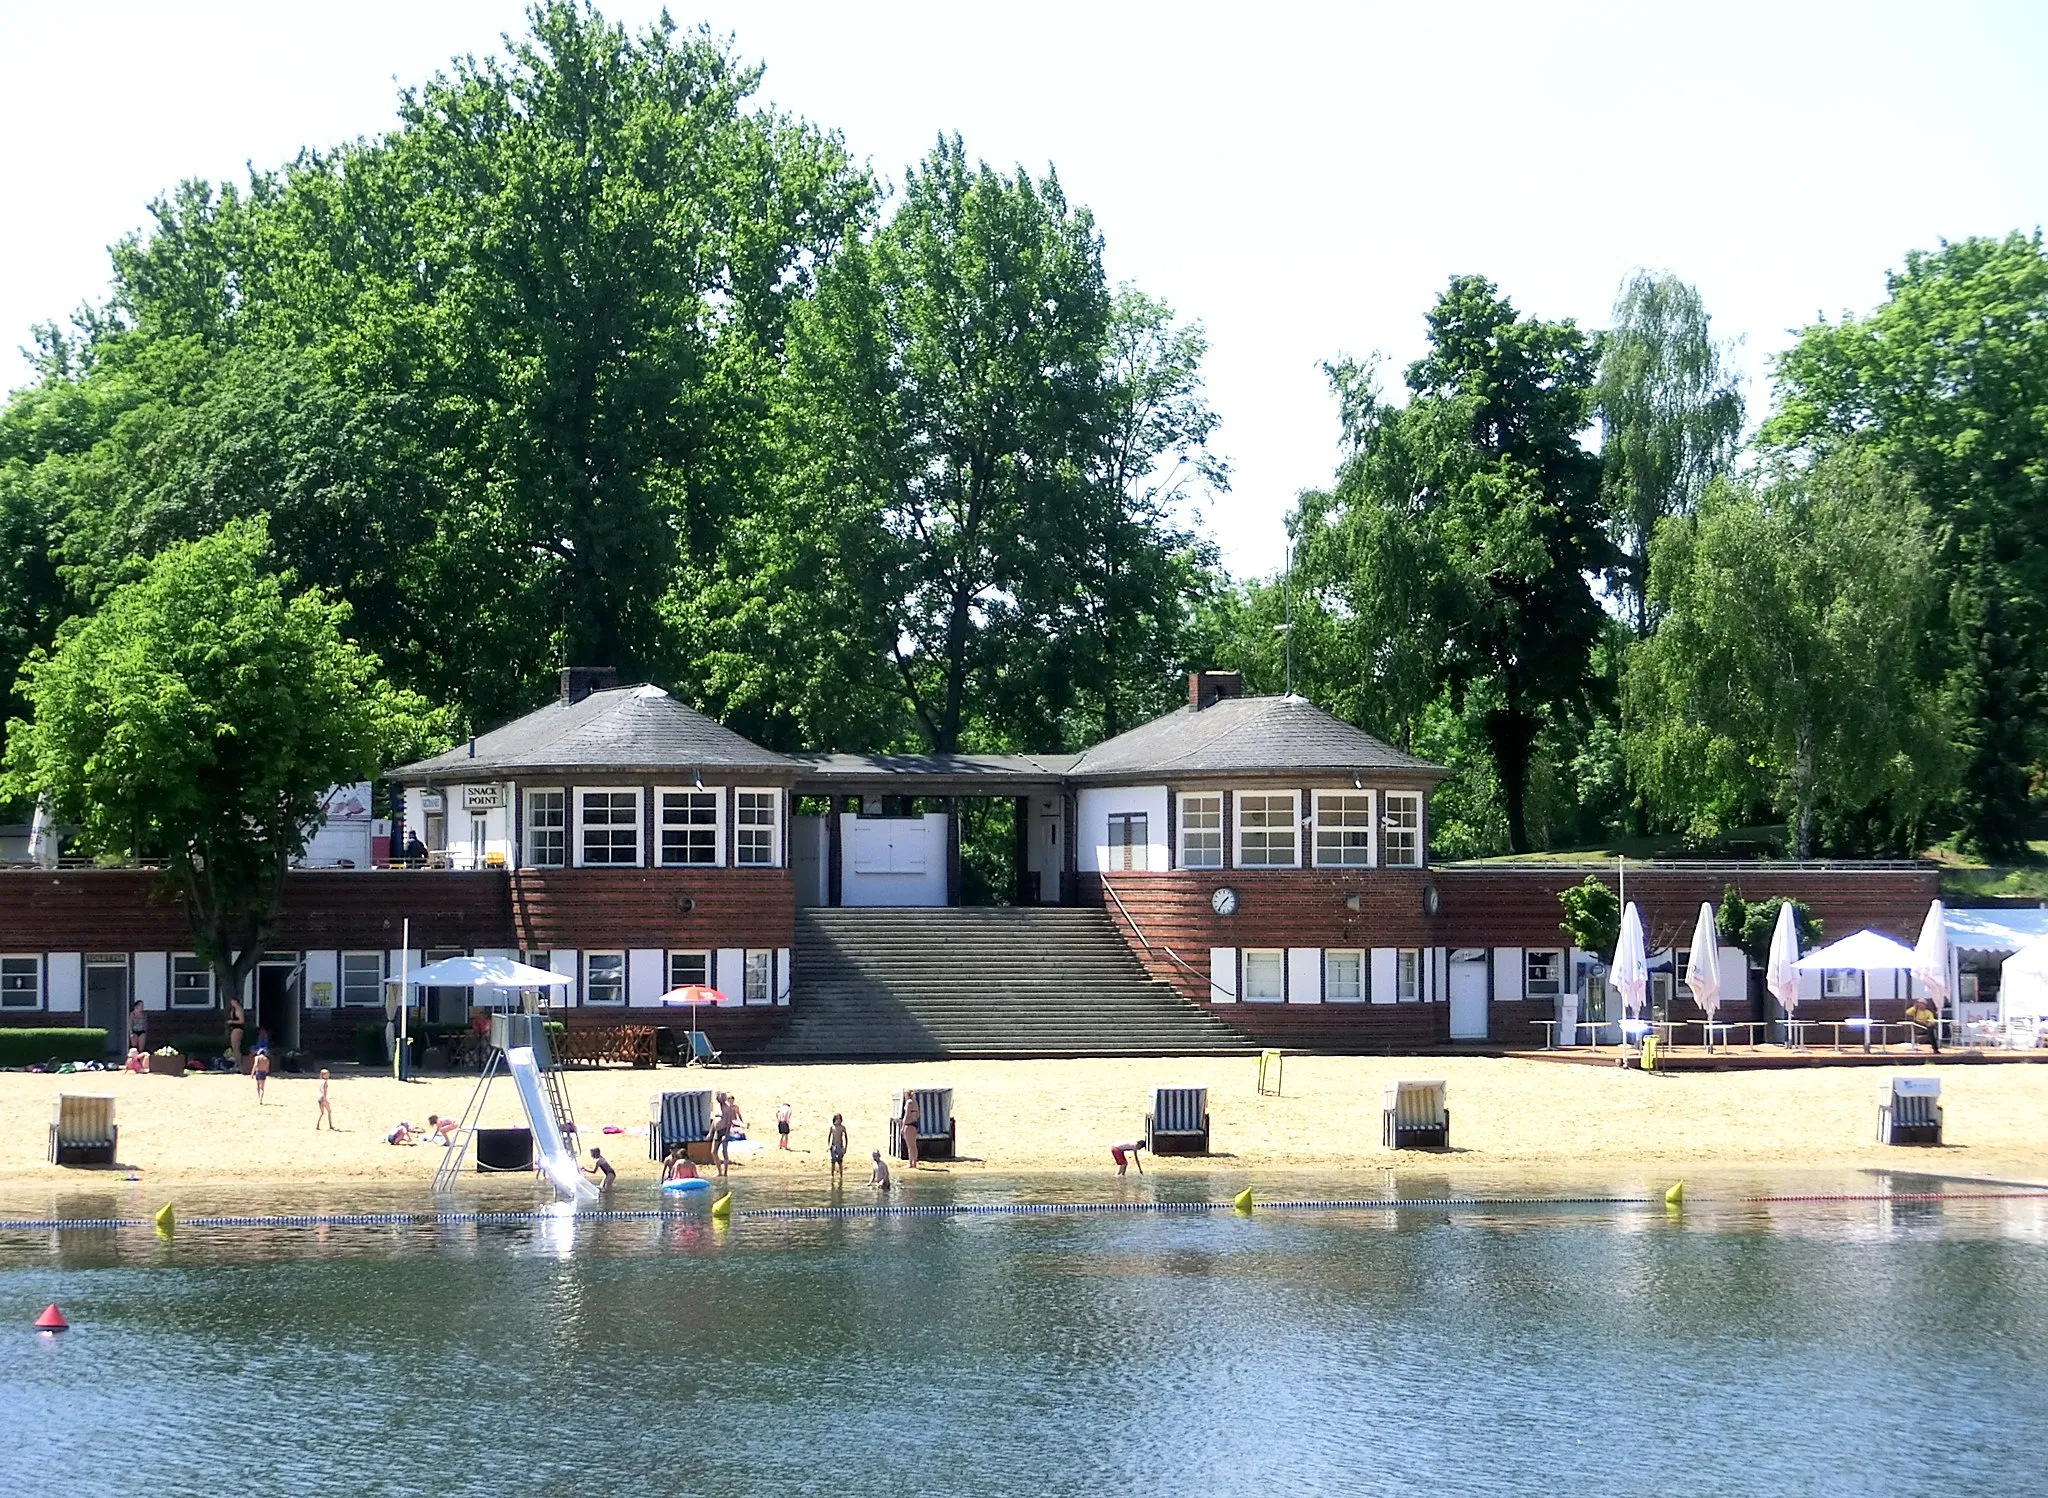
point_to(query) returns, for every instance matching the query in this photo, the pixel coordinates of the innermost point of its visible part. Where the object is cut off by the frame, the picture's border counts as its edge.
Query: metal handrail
(1144, 941)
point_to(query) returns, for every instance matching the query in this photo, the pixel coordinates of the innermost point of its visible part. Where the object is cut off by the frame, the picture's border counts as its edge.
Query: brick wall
(556, 908)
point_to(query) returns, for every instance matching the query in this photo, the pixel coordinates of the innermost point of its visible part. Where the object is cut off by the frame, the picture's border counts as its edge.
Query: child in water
(835, 1147)
(879, 1179)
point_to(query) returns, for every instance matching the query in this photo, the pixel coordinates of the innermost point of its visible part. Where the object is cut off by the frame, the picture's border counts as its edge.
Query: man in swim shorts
(1127, 1154)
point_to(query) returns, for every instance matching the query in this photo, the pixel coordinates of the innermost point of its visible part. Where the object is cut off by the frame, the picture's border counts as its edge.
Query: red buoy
(52, 1320)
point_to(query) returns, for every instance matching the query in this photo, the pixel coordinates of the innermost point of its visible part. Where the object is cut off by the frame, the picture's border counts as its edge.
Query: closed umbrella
(1930, 960)
(1630, 973)
(1703, 966)
(1781, 973)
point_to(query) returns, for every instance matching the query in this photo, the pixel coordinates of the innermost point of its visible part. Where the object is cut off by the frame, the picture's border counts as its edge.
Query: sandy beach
(1509, 1118)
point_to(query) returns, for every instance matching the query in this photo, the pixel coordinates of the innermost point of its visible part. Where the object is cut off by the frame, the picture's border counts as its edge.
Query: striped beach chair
(1414, 1115)
(677, 1118)
(936, 1132)
(82, 1130)
(1179, 1121)
(1910, 1112)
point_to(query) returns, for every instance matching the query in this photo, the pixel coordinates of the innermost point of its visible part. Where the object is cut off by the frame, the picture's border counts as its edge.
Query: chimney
(579, 682)
(1205, 687)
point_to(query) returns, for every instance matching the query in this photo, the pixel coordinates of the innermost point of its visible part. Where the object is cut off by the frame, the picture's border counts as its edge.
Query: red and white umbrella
(694, 995)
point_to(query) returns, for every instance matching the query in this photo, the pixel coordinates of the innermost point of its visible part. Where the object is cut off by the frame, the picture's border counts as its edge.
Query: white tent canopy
(483, 972)
(2023, 983)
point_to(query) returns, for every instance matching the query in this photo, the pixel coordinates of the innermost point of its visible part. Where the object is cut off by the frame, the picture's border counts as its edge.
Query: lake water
(1740, 1347)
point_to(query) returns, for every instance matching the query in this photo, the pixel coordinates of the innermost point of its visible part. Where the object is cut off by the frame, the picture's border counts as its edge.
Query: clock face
(1224, 901)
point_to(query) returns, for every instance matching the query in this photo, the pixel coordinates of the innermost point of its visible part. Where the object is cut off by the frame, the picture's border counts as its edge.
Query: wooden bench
(595, 1045)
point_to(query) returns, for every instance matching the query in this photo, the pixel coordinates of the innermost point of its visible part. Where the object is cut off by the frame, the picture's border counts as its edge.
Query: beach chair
(1179, 1121)
(700, 1049)
(82, 1130)
(936, 1131)
(1910, 1112)
(677, 1120)
(1414, 1116)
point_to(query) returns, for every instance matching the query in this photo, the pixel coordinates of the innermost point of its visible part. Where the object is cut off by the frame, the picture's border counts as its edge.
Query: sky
(1301, 179)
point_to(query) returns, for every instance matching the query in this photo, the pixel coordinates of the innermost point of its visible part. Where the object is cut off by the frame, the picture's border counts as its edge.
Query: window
(604, 978)
(1344, 977)
(611, 827)
(755, 845)
(362, 980)
(1266, 831)
(21, 982)
(1201, 832)
(1129, 835)
(191, 983)
(1841, 983)
(690, 830)
(1265, 977)
(1596, 1000)
(547, 829)
(549, 993)
(1408, 976)
(1543, 974)
(685, 968)
(1402, 845)
(1344, 830)
(759, 983)
(1660, 997)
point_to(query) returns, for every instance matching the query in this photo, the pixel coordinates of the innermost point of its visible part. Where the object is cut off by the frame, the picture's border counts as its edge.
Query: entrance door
(106, 999)
(277, 1005)
(1468, 996)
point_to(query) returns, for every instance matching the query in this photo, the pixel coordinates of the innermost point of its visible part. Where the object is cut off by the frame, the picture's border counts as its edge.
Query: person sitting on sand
(602, 1168)
(404, 1133)
(879, 1177)
(835, 1147)
(440, 1128)
(138, 1060)
(1127, 1154)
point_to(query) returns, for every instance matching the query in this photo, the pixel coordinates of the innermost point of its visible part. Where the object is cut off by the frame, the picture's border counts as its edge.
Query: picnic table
(1728, 1026)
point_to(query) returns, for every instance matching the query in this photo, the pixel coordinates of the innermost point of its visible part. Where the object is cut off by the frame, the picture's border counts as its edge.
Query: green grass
(1965, 878)
(1740, 842)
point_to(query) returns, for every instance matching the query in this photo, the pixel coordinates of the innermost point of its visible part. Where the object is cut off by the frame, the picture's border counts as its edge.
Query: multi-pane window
(1265, 976)
(547, 829)
(21, 982)
(611, 827)
(1344, 977)
(689, 826)
(1344, 830)
(1129, 836)
(1401, 833)
(1201, 831)
(191, 983)
(1266, 831)
(1543, 974)
(760, 978)
(755, 820)
(1407, 976)
(686, 968)
(604, 978)
(1836, 983)
(362, 979)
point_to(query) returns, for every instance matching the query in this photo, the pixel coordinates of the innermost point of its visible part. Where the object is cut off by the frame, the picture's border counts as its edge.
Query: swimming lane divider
(972, 1209)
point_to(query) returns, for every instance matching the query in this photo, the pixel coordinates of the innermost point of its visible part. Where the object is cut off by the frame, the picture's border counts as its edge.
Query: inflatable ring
(691, 1183)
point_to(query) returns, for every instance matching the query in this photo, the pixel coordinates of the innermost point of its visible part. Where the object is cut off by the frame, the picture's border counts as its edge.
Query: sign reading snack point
(476, 798)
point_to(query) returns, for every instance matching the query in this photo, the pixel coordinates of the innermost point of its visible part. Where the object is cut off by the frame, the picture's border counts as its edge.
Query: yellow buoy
(1243, 1202)
(721, 1210)
(1676, 1195)
(166, 1220)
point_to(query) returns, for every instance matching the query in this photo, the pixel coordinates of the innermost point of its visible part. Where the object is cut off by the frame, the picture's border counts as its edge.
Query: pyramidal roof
(620, 729)
(1242, 735)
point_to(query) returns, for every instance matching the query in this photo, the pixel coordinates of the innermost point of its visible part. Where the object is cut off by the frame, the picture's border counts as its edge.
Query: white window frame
(715, 795)
(1276, 991)
(679, 955)
(1342, 831)
(1401, 820)
(1208, 856)
(1334, 988)
(530, 855)
(757, 976)
(1841, 983)
(742, 826)
(590, 983)
(376, 962)
(1534, 987)
(1133, 854)
(10, 994)
(1408, 975)
(1269, 830)
(212, 982)
(584, 825)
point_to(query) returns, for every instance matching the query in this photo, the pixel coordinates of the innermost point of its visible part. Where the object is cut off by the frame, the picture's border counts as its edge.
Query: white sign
(476, 798)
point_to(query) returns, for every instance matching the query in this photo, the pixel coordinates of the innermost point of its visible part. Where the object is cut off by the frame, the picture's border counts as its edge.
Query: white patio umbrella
(1781, 972)
(1630, 973)
(1930, 959)
(484, 972)
(1703, 964)
(1866, 952)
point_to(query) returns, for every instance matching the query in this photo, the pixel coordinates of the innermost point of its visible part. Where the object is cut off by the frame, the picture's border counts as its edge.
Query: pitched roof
(625, 728)
(1239, 735)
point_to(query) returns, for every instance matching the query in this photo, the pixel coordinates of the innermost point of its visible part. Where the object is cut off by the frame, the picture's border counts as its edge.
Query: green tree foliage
(1784, 672)
(198, 717)
(1592, 915)
(1670, 418)
(1949, 380)
(1750, 924)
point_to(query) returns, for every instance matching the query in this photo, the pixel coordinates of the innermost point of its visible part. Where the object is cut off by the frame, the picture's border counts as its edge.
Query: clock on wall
(1224, 901)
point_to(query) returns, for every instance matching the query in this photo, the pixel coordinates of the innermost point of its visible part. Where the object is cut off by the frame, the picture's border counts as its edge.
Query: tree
(1466, 527)
(1948, 379)
(198, 717)
(1750, 924)
(1592, 915)
(1785, 672)
(1670, 418)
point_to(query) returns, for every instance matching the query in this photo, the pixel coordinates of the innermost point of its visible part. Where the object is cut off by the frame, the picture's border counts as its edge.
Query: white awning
(1865, 952)
(1995, 932)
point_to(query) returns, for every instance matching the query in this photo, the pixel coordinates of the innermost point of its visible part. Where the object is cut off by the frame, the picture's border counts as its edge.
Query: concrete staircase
(980, 982)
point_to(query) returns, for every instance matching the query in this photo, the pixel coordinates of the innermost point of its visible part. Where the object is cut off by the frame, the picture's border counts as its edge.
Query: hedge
(66, 1043)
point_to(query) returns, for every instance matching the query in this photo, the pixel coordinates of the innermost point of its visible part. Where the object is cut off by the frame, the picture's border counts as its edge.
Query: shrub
(57, 1043)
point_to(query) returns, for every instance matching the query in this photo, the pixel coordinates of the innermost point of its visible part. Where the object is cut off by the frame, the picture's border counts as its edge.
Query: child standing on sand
(782, 1115)
(835, 1147)
(259, 1068)
(326, 1114)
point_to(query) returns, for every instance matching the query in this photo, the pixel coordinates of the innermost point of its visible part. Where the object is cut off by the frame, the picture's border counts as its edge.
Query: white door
(1468, 998)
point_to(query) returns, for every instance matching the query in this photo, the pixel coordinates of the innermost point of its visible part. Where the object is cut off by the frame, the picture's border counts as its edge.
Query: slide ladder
(450, 1168)
(558, 1104)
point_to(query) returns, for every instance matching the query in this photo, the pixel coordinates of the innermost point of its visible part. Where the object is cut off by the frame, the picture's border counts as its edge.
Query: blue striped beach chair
(677, 1118)
(936, 1131)
(1179, 1121)
(1910, 1112)
(1414, 1115)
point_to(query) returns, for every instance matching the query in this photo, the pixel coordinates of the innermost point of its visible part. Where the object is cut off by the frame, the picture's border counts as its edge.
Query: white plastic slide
(548, 1148)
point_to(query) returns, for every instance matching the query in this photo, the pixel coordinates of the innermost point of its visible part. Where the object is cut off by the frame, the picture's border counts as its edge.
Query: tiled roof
(625, 728)
(1239, 735)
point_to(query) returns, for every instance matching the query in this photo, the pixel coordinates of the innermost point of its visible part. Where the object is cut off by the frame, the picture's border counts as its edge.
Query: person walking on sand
(259, 1068)
(835, 1147)
(235, 1027)
(879, 1176)
(782, 1116)
(326, 1114)
(907, 1128)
